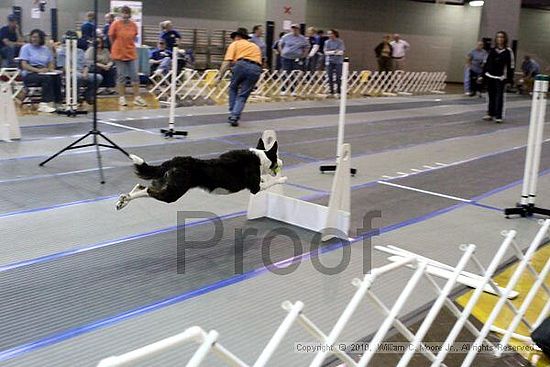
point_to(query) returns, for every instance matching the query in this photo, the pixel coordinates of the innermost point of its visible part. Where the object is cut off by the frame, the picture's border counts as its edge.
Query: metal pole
(173, 80)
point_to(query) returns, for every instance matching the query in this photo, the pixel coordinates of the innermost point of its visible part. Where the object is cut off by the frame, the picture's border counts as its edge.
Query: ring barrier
(422, 268)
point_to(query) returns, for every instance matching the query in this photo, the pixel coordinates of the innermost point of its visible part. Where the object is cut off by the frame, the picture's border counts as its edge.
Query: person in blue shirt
(109, 19)
(11, 41)
(476, 59)
(278, 62)
(87, 30)
(313, 56)
(293, 48)
(158, 55)
(84, 78)
(334, 57)
(256, 38)
(530, 69)
(169, 35)
(321, 52)
(38, 68)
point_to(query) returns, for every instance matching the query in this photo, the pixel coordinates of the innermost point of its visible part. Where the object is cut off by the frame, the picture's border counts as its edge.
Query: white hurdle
(526, 207)
(9, 123)
(171, 131)
(333, 221)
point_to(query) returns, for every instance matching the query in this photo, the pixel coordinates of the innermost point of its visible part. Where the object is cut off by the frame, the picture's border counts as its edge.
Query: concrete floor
(81, 281)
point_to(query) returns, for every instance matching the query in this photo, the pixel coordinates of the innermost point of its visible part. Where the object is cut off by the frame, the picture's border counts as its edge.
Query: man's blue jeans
(244, 77)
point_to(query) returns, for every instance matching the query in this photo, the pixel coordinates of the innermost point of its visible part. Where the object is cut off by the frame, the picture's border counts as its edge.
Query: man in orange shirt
(245, 60)
(122, 34)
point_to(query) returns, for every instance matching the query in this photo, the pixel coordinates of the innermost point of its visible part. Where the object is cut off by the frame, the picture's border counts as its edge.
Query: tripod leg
(114, 145)
(99, 163)
(64, 149)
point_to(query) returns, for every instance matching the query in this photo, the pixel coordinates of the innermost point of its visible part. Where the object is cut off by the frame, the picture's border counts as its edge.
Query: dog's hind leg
(139, 191)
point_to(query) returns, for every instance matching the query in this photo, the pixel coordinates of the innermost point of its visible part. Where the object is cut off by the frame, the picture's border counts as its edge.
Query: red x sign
(288, 9)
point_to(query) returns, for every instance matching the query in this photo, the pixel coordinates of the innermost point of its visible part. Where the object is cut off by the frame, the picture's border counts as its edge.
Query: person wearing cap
(11, 41)
(293, 48)
(244, 58)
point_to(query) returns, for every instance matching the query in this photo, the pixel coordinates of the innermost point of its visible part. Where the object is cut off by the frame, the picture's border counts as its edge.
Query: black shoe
(234, 121)
(498, 121)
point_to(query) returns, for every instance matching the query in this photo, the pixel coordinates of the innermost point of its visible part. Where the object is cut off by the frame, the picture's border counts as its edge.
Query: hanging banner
(137, 14)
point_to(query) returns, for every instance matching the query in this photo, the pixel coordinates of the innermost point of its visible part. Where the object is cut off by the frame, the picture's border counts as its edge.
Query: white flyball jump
(9, 124)
(332, 221)
(526, 207)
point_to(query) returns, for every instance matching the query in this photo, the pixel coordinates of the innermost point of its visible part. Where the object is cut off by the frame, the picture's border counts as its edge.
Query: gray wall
(440, 35)
(534, 36)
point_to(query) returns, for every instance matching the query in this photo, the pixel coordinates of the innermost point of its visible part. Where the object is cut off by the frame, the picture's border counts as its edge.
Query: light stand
(95, 133)
(526, 207)
(171, 132)
(341, 117)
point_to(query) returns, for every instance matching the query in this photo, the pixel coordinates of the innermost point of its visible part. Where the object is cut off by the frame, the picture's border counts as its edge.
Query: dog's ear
(272, 154)
(260, 145)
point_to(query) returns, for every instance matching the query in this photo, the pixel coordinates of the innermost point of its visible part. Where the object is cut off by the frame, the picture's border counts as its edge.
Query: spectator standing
(104, 66)
(278, 62)
(384, 54)
(334, 57)
(399, 51)
(11, 41)
(530, 69)
(321, 53)
(84, 78)
(109, 19)
(498, 71)
(245, 59)
(293, 48)
(87, 30)
(169, 34)
(38, 68)
(475, 61)
(313, 56)
(122, 34)
(256, 38)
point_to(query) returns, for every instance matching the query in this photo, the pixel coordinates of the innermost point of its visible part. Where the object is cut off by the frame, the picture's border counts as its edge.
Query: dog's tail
(145, 171)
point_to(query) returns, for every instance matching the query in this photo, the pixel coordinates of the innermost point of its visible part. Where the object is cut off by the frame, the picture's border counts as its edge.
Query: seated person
(159, 58)
(38, 68)
(530, 69)
(169, 35)
(104, 66)
(11, 41)
(84, 77)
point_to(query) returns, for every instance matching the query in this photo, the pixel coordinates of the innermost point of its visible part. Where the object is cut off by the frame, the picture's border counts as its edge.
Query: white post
(68, 80)
(343, 101)
(541, 88)
(173, 82)
(74, 72)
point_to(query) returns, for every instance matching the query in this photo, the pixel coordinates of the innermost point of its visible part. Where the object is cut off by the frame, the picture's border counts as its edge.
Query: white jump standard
(526, 207)
(171, 131)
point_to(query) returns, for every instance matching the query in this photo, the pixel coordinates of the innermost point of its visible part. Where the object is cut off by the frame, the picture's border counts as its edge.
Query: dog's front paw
(123, 200)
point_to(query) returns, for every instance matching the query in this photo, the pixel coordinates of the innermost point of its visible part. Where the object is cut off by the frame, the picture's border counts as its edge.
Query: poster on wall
(137, 13)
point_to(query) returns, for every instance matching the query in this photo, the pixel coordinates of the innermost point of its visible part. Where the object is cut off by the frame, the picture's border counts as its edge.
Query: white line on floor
(416, 170)
(402, 173)
(425, 192)
(428, 167)
(441, 164)
(126, 127)
(388, 177)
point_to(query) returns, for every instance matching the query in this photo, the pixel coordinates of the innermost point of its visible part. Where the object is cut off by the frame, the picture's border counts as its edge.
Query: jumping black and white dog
(254, 169)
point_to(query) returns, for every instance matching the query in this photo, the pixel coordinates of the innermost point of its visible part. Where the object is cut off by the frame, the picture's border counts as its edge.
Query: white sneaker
(138, 101)
(122, 101)
(488, 118)
(293, 94)
(45, 107)
(283, 93)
